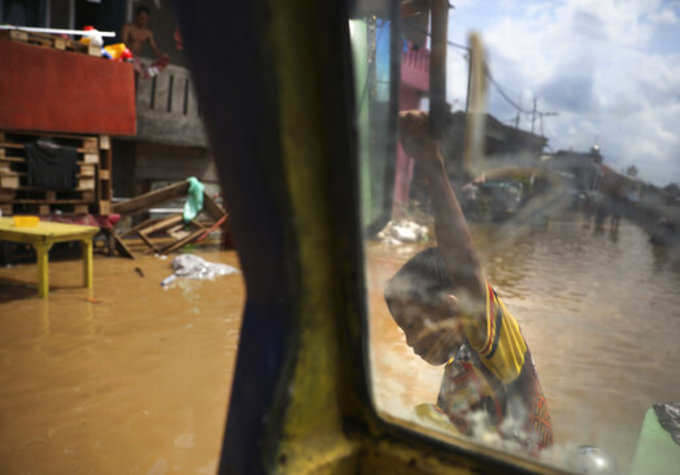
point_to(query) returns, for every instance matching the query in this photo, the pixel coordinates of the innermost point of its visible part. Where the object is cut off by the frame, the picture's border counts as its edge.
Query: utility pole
(467, 94)
(533, 116)
(545, 114)
(517, 116)
(438, 108)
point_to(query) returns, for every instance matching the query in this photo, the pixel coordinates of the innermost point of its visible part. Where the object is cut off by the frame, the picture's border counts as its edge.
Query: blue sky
(610, 68)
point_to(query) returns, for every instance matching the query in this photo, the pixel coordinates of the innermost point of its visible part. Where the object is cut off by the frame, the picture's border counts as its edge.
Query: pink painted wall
(415, 80)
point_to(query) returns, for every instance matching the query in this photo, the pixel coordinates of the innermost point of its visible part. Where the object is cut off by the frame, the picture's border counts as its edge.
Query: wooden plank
(81, 209)
(213, 227)
(98, 189)
(104, 142)
(11, 145)
(14, 35)
(40, 42)
(147, 200)
(162, 224)
(183, 242)
(43, 134)
(212, 208)
(177, 231)
(147, 241)
(21, 147)
(6, 195)
(50, 196)
(13, 159)
(2, 150)
(91, 158)
(9, 181)
(106, 186)
(59, 43)
(5, 167)
(141, 225)
(104, 207)
(87, 169)
(43, 39)
(120, 246)
(104, 174)
(6, 210)
(90, 144)
(28, 201)
(43, 210)
(85, 183)
(80, 196)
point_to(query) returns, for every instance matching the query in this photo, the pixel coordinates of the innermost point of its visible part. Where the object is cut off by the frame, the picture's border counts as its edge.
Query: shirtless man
(137, 33)
(451, 315)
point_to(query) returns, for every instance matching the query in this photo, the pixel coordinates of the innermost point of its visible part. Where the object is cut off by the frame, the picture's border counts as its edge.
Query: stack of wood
(168, 234)
(93, 189)
(50, 41)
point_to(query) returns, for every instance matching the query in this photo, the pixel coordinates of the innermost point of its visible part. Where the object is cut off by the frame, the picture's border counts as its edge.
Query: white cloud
(665, 17)
(592, 62)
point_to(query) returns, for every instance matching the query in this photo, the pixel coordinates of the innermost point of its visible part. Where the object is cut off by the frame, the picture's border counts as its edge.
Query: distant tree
(672, 189)
(632, 171)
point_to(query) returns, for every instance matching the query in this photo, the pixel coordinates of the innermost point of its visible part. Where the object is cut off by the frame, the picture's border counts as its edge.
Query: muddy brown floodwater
(600, 312)
(135, 379)
(136, 382)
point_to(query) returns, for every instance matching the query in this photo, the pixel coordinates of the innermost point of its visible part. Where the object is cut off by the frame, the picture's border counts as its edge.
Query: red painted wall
(50, 90)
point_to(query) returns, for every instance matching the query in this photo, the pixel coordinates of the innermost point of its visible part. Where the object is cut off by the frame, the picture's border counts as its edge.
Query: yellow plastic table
(43, 236)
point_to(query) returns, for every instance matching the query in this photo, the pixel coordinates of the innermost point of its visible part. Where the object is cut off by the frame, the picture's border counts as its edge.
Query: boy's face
(142, 19)
(433, 331)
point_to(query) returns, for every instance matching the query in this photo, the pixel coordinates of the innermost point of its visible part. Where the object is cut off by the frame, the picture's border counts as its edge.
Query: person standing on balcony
(138, 33)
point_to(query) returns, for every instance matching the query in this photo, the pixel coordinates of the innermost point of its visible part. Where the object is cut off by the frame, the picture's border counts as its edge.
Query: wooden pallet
(44, 209)
(104, 176)
(50, 41)
(94, 175)
(168, 234)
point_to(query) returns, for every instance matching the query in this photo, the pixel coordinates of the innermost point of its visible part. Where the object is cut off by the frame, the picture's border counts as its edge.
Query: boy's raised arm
(453, 236)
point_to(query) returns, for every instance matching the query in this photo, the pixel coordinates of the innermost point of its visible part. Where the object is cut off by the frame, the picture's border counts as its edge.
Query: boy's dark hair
(142, 9)
(422, 279)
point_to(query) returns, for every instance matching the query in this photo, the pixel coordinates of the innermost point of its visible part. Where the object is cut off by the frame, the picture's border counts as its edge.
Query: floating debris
(404, 231)
(194, 267)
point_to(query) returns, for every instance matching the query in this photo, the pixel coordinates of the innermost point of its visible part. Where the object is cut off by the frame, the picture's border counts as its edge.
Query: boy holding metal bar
(451, 315)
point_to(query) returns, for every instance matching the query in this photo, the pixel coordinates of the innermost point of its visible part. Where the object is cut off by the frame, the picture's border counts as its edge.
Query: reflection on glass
(540, 245)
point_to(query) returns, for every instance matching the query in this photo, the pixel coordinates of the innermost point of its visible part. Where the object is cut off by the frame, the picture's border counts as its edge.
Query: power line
(487, 71)
(503, 94)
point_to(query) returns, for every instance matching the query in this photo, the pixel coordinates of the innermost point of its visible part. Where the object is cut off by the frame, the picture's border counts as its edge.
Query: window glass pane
(561, 345)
